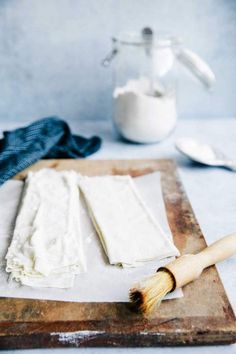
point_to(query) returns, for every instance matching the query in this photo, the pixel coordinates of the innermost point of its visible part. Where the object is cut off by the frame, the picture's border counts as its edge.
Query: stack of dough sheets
(47, 244)
(47, 248)
(128, 232)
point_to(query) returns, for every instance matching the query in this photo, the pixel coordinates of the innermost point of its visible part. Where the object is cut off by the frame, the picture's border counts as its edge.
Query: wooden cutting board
(202, 316)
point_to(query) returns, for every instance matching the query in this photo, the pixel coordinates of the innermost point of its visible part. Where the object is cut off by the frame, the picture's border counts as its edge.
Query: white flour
(196, 150)
(141, 117)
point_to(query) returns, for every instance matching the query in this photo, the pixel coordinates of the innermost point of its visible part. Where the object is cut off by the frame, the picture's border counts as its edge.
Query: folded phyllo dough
(47, 248)
(128, 232)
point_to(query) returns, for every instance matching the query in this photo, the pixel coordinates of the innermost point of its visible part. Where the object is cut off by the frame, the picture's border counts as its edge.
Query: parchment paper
(102, 282)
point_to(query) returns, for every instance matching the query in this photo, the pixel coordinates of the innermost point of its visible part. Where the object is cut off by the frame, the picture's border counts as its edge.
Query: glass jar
(145, 77)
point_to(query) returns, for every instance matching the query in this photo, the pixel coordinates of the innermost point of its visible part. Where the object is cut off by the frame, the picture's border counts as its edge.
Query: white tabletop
(212, 193)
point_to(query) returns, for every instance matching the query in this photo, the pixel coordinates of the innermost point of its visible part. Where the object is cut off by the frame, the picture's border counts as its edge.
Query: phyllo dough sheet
(130, 235)
(47, 248)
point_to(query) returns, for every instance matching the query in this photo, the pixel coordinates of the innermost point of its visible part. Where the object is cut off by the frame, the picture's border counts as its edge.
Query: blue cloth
(48, 138)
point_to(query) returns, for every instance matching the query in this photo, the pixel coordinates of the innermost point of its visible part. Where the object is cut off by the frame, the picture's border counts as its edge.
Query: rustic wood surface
(202, 316)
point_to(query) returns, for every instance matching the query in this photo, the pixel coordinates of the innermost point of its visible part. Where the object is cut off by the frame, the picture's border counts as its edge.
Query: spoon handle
(231, 165)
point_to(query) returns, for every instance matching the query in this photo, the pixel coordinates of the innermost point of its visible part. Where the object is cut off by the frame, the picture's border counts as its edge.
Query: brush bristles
(148, 293)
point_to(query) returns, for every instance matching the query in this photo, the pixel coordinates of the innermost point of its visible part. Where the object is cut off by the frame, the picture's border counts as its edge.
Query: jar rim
(162, 39)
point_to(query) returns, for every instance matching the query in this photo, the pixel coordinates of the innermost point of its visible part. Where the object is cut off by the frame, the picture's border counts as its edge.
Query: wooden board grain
(203, 316)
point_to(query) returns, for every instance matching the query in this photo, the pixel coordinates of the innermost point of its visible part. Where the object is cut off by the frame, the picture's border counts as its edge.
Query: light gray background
(50, 54)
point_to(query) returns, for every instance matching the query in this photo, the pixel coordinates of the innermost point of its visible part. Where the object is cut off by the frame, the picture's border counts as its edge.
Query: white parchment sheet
(102, 282)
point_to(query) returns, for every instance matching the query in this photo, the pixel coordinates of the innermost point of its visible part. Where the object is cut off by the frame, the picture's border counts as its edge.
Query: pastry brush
(150, 291)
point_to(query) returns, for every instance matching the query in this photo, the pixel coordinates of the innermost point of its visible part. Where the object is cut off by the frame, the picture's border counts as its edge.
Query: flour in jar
(143, 117)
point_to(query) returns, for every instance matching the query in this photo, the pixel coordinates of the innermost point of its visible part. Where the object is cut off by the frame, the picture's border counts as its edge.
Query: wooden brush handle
(189, 267)
(218, 251)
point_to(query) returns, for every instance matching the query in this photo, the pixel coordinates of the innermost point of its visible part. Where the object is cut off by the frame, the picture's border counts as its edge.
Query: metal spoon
(204, 153)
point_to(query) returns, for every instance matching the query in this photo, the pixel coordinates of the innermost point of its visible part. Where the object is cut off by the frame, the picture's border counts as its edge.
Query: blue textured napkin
(48, 138)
